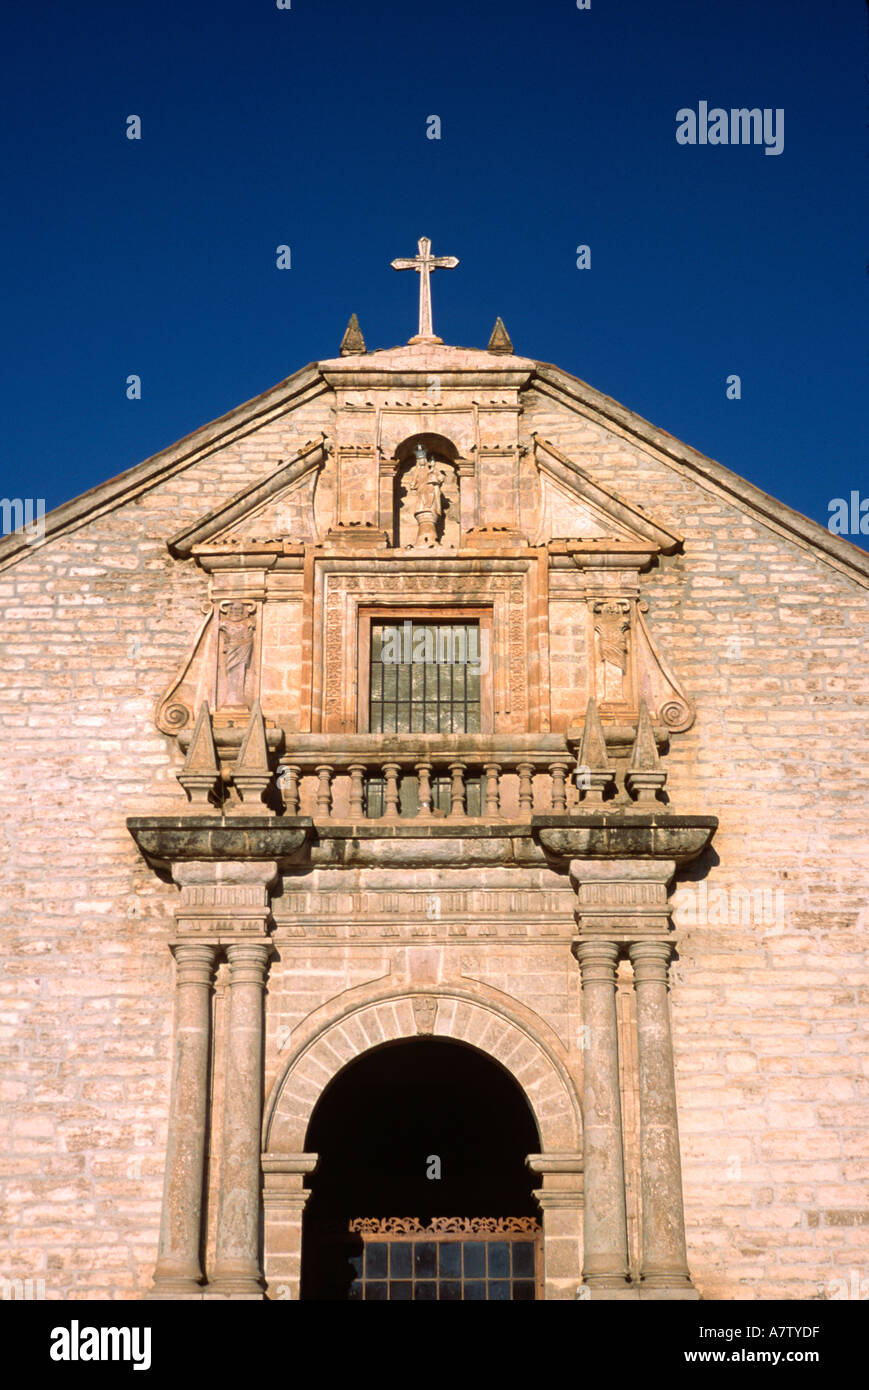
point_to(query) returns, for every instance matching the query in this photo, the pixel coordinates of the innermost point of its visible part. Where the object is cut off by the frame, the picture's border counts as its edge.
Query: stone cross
(424, 263)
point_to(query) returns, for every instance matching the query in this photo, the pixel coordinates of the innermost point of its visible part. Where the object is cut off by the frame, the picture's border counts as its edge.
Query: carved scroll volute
(193, 683)
(626, 666)
(612, 654)
(667, 701)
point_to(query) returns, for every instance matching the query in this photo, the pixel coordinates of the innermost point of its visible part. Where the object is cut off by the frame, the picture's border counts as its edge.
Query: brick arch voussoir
(531, 1061)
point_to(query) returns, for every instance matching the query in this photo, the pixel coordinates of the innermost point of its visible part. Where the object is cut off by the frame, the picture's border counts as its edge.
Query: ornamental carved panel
(503, 594)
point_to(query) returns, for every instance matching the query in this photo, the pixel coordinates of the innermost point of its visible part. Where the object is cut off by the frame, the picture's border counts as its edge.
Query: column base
(165, 1294)
(235, 1288)
(637, 1293)
(215, 1295)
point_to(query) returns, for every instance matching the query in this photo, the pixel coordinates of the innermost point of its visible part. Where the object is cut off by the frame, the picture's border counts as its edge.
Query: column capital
(597, 958)
(249, 961)
(195, 961)
(651, 960)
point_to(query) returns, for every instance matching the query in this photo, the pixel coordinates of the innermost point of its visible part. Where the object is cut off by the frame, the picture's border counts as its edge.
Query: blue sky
(307, 127)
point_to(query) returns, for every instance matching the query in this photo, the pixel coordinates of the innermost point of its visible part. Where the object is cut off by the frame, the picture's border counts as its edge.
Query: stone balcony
(426, 777)
(422, 800)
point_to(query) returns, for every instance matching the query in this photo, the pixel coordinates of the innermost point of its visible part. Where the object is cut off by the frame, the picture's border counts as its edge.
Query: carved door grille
(451, 1260)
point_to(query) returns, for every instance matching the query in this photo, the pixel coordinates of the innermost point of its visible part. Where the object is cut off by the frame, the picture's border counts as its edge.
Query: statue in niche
(612, 623)
(237, 629)
(424, 487)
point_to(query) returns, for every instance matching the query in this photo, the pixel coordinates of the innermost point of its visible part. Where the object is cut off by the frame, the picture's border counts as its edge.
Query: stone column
(664, 1260)
(178, 1269)
(606, 1236)
(237, 1267)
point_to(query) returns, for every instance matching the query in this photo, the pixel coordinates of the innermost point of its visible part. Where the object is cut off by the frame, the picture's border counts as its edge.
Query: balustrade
(376, 777)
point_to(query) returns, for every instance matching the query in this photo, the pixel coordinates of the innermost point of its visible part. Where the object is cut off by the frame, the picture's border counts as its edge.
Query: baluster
(357, 790)
(324, 790)
(457, 789)
(423, 772)
(493, 799)
(289, 785)
(390, 777)
(558, 773)
(526, 788)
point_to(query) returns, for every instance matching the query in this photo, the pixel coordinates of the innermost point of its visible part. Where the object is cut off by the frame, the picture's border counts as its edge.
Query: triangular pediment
(281, 505)
(574, 507)
(564, 515)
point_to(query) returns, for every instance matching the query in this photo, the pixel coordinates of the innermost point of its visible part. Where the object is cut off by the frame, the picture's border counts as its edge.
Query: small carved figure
(612, 624)
(425, 1011)
(237, 630)
(424, 485)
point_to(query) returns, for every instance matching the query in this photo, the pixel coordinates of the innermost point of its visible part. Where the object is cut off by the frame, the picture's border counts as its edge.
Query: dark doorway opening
(422, 1191)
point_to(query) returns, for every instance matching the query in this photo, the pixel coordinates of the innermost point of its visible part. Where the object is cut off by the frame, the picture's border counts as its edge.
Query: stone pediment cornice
(630, 524)
(295, 843)
(415, 365)
(250, 499)
(461, 367)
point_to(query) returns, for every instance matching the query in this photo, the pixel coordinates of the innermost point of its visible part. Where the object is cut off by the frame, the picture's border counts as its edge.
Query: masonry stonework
(654, 917)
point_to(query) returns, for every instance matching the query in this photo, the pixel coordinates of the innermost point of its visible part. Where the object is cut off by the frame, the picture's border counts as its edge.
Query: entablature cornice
(297, 842)
(451, 377)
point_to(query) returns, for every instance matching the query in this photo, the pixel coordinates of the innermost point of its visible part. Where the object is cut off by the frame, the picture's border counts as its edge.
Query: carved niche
(427, 496)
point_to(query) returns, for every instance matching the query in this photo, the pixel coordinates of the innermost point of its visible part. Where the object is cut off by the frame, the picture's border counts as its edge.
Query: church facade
(435, 862)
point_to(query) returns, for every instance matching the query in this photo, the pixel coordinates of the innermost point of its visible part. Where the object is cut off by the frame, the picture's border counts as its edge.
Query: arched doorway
(421, 1192)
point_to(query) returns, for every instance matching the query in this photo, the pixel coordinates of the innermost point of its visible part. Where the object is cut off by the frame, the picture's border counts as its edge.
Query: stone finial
(645, 775)
(201, 769)
(251, 774)
(594, 772)
(500, 339)
(353, 343)
(593, 751)
(644, 757)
